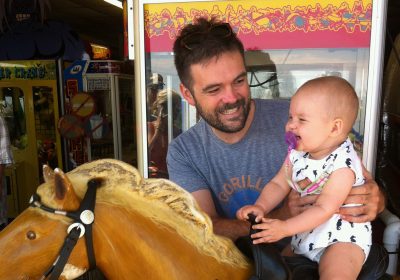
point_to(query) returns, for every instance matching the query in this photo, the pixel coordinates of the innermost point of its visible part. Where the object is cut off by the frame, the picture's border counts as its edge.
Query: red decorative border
(271, 28)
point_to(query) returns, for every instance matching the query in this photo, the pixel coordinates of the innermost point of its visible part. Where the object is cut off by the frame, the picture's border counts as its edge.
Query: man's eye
(240, 81)
(212, 90)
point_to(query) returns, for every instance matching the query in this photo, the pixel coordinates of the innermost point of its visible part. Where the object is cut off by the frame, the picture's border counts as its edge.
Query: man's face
(220, 92)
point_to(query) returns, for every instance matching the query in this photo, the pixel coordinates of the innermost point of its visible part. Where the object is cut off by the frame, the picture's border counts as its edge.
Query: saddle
(270, 265)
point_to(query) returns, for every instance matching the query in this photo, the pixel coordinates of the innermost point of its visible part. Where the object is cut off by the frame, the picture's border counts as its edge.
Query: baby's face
(310, 122)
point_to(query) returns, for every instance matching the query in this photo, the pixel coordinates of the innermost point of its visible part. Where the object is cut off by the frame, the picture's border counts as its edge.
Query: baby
(321, 160)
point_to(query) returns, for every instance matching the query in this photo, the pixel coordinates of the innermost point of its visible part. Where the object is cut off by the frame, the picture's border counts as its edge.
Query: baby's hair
(341, 100)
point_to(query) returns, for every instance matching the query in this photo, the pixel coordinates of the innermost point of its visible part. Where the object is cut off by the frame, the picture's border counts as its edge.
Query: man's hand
(231, 228)
(243, 213)
(296, 204)
(371, 200)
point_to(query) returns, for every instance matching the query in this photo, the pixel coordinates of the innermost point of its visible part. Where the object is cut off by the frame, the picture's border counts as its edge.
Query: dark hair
(201, 41)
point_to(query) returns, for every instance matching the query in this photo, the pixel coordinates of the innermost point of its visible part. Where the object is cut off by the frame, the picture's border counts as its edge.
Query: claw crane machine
(29, 105)
(286, 43)
(100, 111)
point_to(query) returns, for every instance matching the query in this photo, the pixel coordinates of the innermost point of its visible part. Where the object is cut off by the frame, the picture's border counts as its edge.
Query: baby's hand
(243, 213)
(271, 230)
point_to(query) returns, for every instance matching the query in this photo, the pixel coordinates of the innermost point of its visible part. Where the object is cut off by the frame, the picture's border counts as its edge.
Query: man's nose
(230, 96)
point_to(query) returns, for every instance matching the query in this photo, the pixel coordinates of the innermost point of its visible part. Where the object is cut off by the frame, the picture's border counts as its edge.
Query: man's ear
(337, 127)
(187, 94)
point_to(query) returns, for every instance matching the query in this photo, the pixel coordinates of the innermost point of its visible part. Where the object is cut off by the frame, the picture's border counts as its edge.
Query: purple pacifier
(291, 140)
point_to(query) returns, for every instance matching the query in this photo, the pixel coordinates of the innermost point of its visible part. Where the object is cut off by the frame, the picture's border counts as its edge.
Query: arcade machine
(100, 111)
(29, 104)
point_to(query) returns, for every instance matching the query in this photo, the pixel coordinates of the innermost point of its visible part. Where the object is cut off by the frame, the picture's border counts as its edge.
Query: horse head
(142, 228)
(35, 230)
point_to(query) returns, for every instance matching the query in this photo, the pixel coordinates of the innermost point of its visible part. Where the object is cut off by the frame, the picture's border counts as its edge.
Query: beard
(214, 120)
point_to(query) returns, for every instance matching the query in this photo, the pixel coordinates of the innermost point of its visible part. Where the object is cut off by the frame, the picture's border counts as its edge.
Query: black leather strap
(65, 252)
(89, 202)
(268, 261)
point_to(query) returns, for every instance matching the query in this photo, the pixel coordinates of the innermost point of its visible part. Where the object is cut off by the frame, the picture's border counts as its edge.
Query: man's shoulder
(275, 110)
(190, 137)
(272, 103)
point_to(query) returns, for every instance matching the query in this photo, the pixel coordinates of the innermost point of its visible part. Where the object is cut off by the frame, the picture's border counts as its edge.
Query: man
(226, 159)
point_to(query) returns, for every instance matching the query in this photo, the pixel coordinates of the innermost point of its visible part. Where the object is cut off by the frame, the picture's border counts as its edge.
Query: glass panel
(164, 114)
(13, 111)
(127, 120)
(278, 73)
(100, 123)
(45, 126)
(286, 46)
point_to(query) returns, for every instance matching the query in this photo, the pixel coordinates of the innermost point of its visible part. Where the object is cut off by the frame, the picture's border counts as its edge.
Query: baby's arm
(272, 194)
(328, 203)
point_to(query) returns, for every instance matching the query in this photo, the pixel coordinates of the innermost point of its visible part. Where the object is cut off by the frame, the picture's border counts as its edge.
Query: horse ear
(48, 174)
(64, 191)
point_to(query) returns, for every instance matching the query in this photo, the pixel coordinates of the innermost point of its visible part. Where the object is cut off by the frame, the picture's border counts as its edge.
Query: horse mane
(160, 200)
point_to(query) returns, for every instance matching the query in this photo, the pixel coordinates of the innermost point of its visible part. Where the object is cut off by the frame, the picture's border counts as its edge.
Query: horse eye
(31, 235)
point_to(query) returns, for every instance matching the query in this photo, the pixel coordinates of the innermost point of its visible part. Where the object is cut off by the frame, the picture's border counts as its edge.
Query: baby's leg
(341, 261)
(287, 251)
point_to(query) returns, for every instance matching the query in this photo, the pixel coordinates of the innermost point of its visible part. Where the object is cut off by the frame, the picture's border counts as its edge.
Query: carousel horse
(139, 228)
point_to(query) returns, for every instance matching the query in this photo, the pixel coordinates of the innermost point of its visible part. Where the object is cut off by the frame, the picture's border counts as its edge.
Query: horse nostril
(31, 235)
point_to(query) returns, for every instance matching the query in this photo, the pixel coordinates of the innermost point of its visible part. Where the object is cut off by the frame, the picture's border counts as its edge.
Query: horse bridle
(83, 220)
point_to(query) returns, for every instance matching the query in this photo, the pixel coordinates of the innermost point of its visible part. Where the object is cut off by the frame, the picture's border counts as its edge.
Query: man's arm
(369, 195)
(371, 198)
(231, 228)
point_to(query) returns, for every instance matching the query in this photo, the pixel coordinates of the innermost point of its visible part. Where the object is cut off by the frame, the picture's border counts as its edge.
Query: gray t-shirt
(236, 173)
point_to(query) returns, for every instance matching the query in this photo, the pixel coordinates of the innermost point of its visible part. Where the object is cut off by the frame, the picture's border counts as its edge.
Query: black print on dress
(298, 172)
(334, 157)
(315, 173)
(367, 227)
(329, 235)
(311, 231)
(295, 236)
(295, 161)
(347, 149)
(353, 238)
(339, 224)
(348, 162)
(305, 155)
(351, 224)
(310, 246)
(334, 240)
(298, 243)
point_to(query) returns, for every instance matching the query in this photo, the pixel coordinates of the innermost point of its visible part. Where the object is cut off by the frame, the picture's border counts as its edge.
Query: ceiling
(95, 21)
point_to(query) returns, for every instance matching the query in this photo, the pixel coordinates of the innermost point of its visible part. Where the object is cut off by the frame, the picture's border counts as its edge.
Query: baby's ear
(337, 127)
